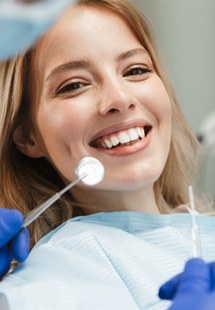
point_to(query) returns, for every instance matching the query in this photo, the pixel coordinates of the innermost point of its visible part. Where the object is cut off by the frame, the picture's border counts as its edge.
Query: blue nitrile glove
(192, 289)
(14, 241)
(22, 23)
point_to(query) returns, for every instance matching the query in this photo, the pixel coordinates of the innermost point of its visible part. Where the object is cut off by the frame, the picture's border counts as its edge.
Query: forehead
(83, 25)
(85, 18)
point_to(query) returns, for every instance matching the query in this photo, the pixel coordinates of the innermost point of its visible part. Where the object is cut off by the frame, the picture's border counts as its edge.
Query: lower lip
(127, 150)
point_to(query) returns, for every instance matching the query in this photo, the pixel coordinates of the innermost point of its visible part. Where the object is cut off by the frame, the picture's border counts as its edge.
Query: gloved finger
(5, 260)
(212, 273)
(195, 278)
(10, 223)
(20, 245)
(168, 289)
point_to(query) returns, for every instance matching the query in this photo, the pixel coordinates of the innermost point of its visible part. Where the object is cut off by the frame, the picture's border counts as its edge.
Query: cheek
(62, 121)
(162, 104)
(60, 133)
(160, 109)
(155, 100)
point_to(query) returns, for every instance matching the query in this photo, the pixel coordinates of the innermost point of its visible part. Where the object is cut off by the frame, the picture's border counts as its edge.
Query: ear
(27, 143)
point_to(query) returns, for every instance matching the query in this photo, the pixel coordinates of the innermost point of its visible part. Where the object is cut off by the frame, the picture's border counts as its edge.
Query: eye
(137, 71)
(71, 87)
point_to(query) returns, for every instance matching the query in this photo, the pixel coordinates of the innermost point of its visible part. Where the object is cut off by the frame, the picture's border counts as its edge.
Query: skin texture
(79, 94)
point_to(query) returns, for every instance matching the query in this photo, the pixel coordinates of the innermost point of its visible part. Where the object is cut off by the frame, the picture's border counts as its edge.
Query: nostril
(113, 111)
(132, 106)
(120, 103)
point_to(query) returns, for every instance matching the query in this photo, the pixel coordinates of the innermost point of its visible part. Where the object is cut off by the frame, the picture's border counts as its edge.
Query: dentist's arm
(14, 241)
(192, 289)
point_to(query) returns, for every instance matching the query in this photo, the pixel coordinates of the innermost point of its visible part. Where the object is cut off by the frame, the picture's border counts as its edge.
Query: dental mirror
(89, 170)
(92, 169)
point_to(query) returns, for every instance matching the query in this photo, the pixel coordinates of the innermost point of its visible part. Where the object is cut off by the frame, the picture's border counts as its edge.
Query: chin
(130, 183)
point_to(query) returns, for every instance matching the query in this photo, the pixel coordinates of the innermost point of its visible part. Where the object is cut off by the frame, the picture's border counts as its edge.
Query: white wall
(185, 32)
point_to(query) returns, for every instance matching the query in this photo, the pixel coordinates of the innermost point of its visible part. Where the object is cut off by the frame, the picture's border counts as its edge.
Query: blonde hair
(26, 182)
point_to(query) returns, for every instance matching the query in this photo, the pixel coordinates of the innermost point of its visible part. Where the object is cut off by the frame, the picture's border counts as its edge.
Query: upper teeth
(122, 137)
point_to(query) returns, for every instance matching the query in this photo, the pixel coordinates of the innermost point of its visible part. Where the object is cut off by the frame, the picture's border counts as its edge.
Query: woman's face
(95, 93)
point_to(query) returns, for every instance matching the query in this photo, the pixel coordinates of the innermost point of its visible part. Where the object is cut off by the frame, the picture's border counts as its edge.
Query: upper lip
(119, 127)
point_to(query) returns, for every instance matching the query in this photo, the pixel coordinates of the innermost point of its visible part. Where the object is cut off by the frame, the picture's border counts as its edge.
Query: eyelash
(134, 70)
(70, 87)
(76, 85)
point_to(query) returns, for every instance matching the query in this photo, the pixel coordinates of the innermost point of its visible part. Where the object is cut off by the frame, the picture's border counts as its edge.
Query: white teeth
(108, 143)
(114, 140)
(141, 132)
(133, 134)
(123, 137)
(104, 145)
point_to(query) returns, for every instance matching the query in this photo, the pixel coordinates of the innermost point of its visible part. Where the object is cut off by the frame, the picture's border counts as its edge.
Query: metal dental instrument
(195, 229)
(89, 170)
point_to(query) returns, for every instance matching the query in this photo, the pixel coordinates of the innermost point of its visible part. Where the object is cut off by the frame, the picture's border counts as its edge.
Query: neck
(105, 201)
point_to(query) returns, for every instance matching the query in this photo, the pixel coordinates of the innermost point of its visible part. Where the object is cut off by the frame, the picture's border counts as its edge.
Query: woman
(93, 86)
(40, 180)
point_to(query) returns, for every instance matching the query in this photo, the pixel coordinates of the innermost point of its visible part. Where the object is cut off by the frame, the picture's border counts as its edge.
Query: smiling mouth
(122, 138)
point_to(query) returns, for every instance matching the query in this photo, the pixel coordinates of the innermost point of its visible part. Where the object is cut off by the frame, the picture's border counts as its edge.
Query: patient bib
(107, 261)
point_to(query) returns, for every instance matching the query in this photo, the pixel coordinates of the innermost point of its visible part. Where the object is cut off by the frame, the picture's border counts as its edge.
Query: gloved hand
(192, 289)
(21, 24)
(14, 241)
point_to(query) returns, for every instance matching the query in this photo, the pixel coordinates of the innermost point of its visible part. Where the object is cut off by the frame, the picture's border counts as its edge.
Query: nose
(116, 98)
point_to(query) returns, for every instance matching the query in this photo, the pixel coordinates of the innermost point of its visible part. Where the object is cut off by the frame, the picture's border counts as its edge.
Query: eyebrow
(83, 64)
(139, 50)
(72, 65)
